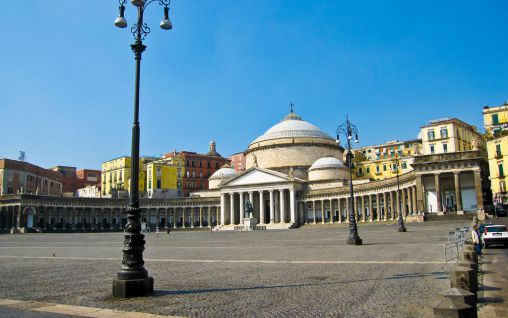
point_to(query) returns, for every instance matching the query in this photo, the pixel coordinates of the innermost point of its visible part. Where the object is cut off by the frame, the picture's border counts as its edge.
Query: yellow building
(116, 175)
(379, 162)
(164, 177)
(449, 135)
(495, 120)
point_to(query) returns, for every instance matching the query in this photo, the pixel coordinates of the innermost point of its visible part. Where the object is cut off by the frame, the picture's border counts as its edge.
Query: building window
(359, 170)
(159, 185)
(384, 167)
(188, 173)
(201, 175)
(501, 171)
(208, 164)
(216, 165)
(431, 135)
(187, 164)
(444, 133)
(498, 151)
(193, 163)
(445, 147)
(201, 164)
(404, 165)
(368, 169)
(193, 174)
(377, 169)
(149, 183)
(495, 119)
(432, 149)
(502, 186)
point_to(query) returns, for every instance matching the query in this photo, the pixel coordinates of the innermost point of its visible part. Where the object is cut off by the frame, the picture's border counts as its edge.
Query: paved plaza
(306, 272)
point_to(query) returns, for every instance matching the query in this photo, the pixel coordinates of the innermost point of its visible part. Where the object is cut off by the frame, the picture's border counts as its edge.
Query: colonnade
(269, 206)
(16, 218)
(369, 207)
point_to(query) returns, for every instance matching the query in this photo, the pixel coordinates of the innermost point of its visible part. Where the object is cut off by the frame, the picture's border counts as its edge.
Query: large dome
(327, 163)
(290, 127)
(224, 172)
(291, 146)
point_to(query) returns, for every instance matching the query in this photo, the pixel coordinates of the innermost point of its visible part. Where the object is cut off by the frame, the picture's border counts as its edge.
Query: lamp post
(133, 280)
(348, 129)
(400, 220)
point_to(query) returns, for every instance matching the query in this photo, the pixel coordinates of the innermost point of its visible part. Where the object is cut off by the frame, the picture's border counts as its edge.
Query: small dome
(224, 172)
(327, 163)
(292, 126)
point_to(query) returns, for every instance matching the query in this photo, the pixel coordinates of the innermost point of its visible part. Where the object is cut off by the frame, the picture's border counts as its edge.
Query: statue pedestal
(249, 224)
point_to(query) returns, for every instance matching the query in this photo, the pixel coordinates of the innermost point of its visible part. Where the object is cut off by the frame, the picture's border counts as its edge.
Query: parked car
(494, 234)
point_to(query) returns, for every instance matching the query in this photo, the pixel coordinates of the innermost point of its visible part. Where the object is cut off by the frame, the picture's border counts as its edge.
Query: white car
(494, 234)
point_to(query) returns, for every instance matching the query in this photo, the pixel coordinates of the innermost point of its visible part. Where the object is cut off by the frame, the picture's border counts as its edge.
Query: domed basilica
(282, 165)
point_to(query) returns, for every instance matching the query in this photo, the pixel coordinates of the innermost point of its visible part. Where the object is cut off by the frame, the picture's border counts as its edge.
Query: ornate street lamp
(133, 280)
(348, 129)
(400, 220)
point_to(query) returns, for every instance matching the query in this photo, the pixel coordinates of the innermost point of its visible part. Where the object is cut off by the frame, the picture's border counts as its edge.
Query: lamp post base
(354, 241)
(126, 288)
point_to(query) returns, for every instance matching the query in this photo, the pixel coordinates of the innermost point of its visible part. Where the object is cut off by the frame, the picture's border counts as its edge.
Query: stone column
(420, 201)
(458, 193)
(184, 217)
(282, 207)
(261, 208)
(232, 208)
(175, 217)
(242, 211)
(404, 205)
(410, 199)
(378, 207)
(392, 205)
(209, 216)
(370, 208)
(323, 212)
(438, 193)
(385, 206)
(200, 216)
(251, 199)
(314, 210)
(339, 207)
(363, 208)
(478, 189)
(347, 208)
(272, 212)
(331, 211)
(218, 210)
(413, 194)
(292, 206)
(222, 209)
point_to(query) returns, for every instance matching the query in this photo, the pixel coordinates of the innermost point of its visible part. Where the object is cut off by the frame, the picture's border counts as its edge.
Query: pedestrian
(476, 240)
(168, 231)
(157, 231)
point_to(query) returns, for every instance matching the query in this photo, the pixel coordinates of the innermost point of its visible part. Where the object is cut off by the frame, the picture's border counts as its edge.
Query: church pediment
(257, 176)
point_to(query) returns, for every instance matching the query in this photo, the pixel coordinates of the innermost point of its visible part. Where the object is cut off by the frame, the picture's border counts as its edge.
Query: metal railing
(455, 242)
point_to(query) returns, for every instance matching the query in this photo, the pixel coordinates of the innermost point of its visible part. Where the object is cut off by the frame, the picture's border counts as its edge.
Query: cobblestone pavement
(306, 272)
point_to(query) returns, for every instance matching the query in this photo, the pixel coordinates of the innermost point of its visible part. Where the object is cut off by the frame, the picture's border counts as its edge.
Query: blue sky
(229, 69)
